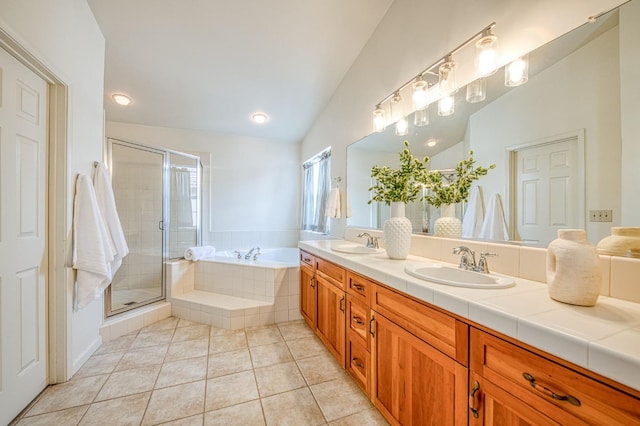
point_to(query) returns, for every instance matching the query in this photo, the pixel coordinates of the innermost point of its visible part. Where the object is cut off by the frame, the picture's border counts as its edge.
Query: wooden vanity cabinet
(331, 307)
(358, 350)
(511, 385)
(308, 295)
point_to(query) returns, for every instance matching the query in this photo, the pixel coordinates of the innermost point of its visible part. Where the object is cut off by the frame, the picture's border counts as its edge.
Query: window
(315, 191)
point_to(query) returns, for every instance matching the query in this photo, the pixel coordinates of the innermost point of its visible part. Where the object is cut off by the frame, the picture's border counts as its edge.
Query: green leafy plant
(456, 190)
(399, 185)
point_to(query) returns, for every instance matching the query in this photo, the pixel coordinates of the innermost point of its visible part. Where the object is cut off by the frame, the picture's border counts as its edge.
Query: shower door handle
(161, 225)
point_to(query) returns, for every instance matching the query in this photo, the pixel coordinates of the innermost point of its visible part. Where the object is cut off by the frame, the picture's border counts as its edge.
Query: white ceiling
(209, 64)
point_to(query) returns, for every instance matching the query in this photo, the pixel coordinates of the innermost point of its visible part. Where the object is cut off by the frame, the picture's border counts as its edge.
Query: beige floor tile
(127, 410)
(295, 330)
(186, 323)
(188, 349)
(306, 347)
(70, 416)
(227, 343)
(370, 417)
(230, 390)
(120, 344)
(155, 338)
(247, 414)
(278, 378)
(229, 363)
(188, 421)
(142, 357)
(99, 364)
(320, 368)
(129, 382)
(166, 324)
(175, 402)
(258, 336)
(193, 332)
(293, 408)
(215, 331)
(73, 393)
(339, 398)
(275, 353)
(183, 371)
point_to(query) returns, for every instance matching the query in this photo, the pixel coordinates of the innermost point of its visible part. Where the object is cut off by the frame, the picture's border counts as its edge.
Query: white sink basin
(355, 249)
(458, 277)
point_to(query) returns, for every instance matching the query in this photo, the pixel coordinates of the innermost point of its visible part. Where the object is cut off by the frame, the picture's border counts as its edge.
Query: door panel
(23, 255)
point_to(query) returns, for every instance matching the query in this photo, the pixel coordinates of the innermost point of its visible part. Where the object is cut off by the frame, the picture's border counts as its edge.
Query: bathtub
(271, 257)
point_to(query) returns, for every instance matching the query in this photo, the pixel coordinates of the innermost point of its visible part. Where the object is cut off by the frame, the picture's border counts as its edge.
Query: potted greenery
(445, 193)
(395, 188)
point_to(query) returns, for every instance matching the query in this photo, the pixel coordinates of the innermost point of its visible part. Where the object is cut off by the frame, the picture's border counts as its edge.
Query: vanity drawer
(358, 362)
(335, 274)
(554, 390)
(436, 328)
(306, 258)
(358, 319)
(360, 287)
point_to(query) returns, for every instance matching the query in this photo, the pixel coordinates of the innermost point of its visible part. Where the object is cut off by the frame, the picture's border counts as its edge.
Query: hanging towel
(494, 226)
(92, 252)
(474, 215)
(196, 253)
(333, 204)
(107, 205)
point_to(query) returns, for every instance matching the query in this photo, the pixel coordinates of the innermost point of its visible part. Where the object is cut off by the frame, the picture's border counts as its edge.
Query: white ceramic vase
(573, 269)
(448, 225)
(397, 233)
(624, 240)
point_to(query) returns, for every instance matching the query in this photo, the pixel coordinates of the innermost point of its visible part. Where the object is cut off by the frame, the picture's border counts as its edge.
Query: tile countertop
(604, 338)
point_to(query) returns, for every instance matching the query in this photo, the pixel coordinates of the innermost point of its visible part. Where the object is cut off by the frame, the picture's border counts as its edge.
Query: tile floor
(183, 373)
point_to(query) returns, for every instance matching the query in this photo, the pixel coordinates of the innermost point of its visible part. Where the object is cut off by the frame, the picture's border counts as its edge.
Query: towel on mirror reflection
(474, 214)
(92, 251)
(494, 226)
(196, 253)
(333, 204)
(348, 205)
(107, 205)
(181, 196)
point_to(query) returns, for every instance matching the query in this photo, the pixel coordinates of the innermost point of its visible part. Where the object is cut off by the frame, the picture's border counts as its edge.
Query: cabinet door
(308, 296)
(330, 325)
(414, 383)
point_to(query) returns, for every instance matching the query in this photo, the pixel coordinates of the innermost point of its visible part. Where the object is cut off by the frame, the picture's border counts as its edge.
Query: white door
(546, 199)
(23, 254)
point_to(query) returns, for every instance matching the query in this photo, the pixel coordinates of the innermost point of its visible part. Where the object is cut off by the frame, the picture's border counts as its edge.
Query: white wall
(251, 186)
(414, 34)
(630, 105)
(555, 102)
(64, 36)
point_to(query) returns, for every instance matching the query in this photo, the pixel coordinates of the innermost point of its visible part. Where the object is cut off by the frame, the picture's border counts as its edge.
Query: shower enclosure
(158, 195)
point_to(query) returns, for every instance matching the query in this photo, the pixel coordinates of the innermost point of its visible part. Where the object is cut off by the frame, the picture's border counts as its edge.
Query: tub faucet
(372, 242)
(248, 255)
(238, 254)
(467, 258)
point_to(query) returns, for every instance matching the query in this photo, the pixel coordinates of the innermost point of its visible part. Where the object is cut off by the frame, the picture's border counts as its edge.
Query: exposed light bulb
(446, 106)
(379, 119)
(121, 99)
(517, 72)
(402, 126)
(486, 54)
(420, 94)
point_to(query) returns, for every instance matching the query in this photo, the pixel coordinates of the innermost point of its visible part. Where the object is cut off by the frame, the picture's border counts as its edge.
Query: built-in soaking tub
(233, 293)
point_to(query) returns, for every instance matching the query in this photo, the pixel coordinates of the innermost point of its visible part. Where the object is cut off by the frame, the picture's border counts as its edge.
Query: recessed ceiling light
(260, 117)
(121, 99)
(431, 143)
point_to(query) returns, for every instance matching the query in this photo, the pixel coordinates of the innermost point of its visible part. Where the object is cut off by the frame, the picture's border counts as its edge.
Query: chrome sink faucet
(372, 242)
(468, 259)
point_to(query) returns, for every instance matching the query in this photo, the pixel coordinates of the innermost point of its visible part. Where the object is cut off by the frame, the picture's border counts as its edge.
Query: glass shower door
(138, 185)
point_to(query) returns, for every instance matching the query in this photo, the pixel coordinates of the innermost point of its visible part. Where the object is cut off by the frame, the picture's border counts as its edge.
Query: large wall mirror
(571, 113)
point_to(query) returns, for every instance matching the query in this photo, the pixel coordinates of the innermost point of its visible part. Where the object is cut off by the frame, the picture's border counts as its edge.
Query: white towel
(333, 204)
(348, 204)
(494, 226)
(107, 205)
(474, 215)
(196, 253)
(92, 253)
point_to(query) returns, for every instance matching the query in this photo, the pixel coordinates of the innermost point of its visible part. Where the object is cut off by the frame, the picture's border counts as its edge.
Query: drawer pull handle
(307, 259)
(311, 282)
(357, 320)
(358, 363)
(358, 287)
(371, 326)
(472, 400)
(342, 305)
(545, 390)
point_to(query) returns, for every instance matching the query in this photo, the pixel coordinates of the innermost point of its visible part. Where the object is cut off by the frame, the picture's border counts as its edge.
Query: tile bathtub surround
(187, 373)
(618, 273)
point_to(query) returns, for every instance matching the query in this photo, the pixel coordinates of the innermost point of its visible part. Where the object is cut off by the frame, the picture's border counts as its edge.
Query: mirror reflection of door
(549, 177)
